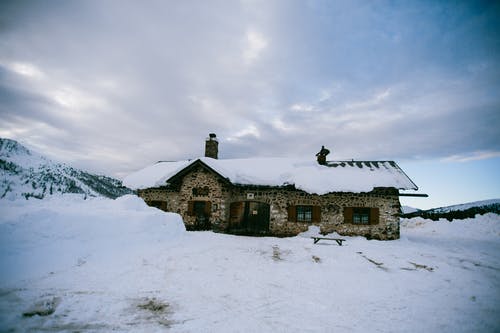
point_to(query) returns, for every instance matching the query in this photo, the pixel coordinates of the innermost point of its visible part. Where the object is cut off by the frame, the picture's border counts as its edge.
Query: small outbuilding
(277, 196)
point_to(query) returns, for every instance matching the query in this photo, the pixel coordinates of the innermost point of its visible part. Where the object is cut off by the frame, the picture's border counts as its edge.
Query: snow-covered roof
(307, 175)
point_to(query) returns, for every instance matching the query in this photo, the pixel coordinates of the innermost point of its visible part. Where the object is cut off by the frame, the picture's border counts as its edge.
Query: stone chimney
(321, 156)
(211, 146)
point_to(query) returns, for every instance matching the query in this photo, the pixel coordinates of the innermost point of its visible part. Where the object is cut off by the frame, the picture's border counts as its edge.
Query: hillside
(462, 211)
(27, 174)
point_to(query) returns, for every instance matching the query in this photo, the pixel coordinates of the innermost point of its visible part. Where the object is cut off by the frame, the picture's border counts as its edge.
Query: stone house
(277, 196)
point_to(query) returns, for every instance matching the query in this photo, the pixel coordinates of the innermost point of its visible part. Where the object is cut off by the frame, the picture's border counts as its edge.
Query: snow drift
(52, 235)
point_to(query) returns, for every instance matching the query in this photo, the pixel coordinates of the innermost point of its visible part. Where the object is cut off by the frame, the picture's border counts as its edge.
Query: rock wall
(207, 187)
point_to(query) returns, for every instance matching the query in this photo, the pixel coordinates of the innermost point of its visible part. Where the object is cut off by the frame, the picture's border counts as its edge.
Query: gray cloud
(116, 85)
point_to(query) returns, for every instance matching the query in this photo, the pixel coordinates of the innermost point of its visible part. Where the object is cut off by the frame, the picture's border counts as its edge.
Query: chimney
(211, 146)
(321, 156)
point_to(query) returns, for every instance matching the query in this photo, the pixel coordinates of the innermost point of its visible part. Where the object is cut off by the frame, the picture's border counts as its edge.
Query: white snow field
(101, 265)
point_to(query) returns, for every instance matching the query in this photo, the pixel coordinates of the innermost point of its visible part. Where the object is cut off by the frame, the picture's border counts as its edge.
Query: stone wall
(221, 194)
(332, 210)
(389, 210)
(217, 194)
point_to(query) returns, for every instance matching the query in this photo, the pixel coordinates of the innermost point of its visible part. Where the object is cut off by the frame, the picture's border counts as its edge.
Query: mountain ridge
(459, 211)
(28, 174)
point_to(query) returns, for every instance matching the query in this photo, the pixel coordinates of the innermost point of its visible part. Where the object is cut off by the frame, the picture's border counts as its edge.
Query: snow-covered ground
(103, 265)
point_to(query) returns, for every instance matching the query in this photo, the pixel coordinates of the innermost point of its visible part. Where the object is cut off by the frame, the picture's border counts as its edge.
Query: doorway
(201, 210)
(249, 218)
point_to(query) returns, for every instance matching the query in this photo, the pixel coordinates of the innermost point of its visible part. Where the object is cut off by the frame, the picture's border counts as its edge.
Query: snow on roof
(154, 175)
(307, 175)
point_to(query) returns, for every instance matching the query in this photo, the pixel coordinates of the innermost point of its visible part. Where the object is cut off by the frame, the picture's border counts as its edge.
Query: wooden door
(202, 211)
(257, 217)
(249, 217)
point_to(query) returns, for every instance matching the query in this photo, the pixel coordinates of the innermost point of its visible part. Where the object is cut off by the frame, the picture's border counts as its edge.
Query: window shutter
(316, 213)
(235, 211)
(208, 208)
(190, 208)
(347, 214)
(374, 215)
(292, 213)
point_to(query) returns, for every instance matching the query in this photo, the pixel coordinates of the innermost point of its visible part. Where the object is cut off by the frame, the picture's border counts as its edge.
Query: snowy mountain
(462, 211)
(24, 173)
(408, 209)
(466, 206)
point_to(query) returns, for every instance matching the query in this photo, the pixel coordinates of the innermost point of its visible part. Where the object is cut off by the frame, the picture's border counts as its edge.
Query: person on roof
(322, 155)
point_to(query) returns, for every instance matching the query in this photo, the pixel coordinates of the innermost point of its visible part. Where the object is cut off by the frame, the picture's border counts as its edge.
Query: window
(200, 191)
(304, 213)
(361, 215)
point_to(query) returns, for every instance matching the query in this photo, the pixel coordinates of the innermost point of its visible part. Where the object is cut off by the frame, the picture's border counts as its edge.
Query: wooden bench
(338, 240)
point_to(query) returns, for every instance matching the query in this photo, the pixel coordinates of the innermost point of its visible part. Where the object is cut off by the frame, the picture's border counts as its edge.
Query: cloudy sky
(113, 86)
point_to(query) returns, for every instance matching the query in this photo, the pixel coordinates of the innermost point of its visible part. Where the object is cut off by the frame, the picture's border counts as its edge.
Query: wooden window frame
(296, 213)
(304, 213)
(361, 215)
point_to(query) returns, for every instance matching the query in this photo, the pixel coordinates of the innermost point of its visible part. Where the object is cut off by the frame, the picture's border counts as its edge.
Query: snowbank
(43, 236)
(482, 227)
